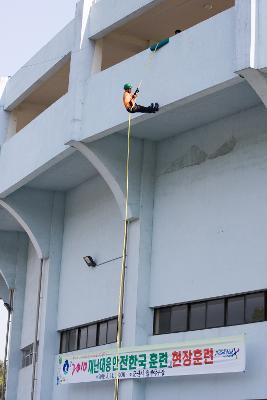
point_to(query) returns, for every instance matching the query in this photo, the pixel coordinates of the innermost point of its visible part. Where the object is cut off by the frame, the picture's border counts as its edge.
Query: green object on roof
(157, 46)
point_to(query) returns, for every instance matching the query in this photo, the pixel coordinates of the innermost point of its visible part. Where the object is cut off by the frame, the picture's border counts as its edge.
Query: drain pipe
(35, 343)
(9, 307)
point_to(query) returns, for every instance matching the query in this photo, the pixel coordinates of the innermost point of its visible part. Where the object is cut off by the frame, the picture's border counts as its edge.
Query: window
(102, 335)
(73, 340)
(162, 320)
(112, 331)
(27, 355)
(91, 338)
(84, 337)
(215, 313)
(255, 307)
(197, 316)
(179, 317)
(225, 311)
(236, 310)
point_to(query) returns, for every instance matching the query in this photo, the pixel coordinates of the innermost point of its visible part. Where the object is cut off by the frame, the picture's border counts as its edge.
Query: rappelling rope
(148, 63)
(123, 264)
(124, 252)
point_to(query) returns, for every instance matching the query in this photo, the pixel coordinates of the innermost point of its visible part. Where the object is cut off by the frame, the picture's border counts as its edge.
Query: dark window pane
(162, 320)
(83, 338)
(64, 343)
(255, 307)
(197, 316)
(235, 310)
(73, 340)
(179, 318)
(215, 313)
(102, 334)
(112, 331)
(91, 338)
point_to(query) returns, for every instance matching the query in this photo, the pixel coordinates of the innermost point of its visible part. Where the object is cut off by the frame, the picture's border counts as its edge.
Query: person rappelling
(129, 101)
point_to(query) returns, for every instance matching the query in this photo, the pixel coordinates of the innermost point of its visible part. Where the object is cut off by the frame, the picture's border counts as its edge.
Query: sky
(26, 26)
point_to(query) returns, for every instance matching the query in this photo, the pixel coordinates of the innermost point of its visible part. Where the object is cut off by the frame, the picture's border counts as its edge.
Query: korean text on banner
(198, 357)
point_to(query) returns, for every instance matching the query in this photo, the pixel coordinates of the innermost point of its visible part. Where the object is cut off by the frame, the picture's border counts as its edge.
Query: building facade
(197, 218)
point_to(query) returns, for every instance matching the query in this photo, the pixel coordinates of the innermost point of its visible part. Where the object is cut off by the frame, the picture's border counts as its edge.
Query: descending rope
(123, 265)
(124, 252)
(148, 63)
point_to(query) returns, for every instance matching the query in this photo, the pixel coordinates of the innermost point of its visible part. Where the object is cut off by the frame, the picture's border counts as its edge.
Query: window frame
(206, 301)
(78, 329)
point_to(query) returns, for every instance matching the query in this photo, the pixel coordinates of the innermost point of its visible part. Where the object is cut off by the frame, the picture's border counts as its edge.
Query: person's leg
(143, 109)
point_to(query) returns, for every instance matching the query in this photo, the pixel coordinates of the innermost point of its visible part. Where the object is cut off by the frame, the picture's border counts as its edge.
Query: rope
(148, 63)
(124, 252)
(123, 265)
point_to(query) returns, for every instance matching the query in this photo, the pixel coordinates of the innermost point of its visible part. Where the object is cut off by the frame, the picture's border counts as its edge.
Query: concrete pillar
(81, 64)
(14, 357)
(138, 318)
(48, 335)
(3, 114)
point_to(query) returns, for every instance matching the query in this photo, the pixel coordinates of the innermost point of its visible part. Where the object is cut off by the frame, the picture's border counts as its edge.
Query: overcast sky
(27, 25)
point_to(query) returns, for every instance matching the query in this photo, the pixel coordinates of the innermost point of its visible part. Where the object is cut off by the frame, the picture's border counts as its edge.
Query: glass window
(73, 340)
(102, 333)
(64, 342)
(236, 310)
(179, 318)
(197, 316)
(215, 313)
(162, 320)
(27, 356)
(91, 338)
(83, 338)
(255, 307)
(112, 331)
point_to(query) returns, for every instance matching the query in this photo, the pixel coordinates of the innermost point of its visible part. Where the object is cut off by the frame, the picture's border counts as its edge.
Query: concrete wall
(190, 55)
(29, 315)
(45, 134)
(108, 14)
(209, 237)
(38, 67)
(93, 227)
(24, 387)
(212, 203)
(3, 114)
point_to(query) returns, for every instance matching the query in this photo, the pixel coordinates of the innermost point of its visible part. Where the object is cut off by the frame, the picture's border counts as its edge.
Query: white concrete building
(197, 231)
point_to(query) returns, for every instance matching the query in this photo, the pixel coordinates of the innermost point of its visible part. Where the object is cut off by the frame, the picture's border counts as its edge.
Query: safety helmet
(128, 86)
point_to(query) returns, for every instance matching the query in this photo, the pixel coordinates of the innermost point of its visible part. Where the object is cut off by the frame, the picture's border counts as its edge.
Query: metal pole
(9, 308)
(35, 344)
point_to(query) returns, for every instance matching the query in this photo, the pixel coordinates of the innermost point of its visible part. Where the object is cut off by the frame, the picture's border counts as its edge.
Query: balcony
(198, 59)
(39, 143)
(30, 75)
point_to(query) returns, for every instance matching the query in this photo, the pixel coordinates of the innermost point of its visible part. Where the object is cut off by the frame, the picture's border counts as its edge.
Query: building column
(138, 317)
(3, 114)
(48, 335)
(14, 357)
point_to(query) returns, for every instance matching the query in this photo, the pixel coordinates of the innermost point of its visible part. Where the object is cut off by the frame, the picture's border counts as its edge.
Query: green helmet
(128, 86)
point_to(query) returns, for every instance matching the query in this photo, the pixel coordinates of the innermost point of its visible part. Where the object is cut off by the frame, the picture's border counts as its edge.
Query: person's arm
(133, 99)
